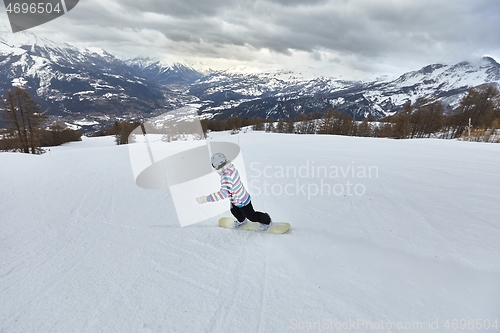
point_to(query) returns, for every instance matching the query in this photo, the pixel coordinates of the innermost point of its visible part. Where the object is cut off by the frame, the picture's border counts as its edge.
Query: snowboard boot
(265, 227)
(237, 224)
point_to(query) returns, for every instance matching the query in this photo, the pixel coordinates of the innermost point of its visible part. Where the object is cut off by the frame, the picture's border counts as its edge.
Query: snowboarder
(232, 187)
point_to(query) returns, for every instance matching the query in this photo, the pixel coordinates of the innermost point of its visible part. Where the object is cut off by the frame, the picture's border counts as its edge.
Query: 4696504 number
(33, 8)
(478, 324)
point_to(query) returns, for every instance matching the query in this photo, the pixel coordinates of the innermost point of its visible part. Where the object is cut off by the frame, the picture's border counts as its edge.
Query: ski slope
(387, 236)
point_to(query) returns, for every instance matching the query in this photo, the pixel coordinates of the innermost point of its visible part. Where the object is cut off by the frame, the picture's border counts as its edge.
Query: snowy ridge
(445, 82)
(164, 71)
(233, 93)
(89, 84)
(286, 92)
(78, 85)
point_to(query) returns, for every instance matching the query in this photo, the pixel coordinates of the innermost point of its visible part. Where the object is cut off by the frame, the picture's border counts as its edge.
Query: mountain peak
(23, 38)
(143, 61)
(490, 61)
(163, 71)
(430, 68)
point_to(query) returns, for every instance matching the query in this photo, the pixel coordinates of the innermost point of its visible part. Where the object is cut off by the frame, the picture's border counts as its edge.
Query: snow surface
(414, 239)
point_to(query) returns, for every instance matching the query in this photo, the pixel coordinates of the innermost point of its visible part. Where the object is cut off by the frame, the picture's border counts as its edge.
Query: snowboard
(275, 228)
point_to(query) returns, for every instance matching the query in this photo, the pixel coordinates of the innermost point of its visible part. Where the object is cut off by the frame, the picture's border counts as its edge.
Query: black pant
(249, 213)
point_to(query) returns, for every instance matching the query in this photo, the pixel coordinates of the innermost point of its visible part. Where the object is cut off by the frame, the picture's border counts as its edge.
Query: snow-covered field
(387, 236)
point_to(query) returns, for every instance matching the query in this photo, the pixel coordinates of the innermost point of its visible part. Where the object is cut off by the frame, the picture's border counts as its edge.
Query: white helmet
(218, 160)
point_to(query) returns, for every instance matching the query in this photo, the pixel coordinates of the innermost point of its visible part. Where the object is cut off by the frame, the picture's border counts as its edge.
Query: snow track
(85, 250)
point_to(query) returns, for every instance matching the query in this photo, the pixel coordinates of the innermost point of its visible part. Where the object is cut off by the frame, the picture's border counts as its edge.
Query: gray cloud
(360, 33)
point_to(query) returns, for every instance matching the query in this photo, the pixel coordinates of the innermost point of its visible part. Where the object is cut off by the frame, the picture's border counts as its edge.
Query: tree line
(25, 132)
(422, 119)
(121, 130)
(426, 117)
(25, 125)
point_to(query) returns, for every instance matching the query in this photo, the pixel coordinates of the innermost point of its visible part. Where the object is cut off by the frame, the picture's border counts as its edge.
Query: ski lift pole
(469, 127)
(147, 143)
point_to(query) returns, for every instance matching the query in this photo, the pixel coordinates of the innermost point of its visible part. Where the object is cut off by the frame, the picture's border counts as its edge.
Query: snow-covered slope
(76, 84)
(447, 83)
(282, 94)
(386, 236)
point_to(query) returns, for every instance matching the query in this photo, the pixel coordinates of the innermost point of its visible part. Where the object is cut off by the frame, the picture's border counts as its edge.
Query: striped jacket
(232, 187)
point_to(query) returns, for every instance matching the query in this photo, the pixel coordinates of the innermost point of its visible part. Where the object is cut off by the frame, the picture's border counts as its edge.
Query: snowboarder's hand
(202, 200)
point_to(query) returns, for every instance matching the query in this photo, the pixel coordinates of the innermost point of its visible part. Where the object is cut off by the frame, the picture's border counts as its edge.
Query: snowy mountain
(276, 95)
(79, 86)
(396, 236)
(447, 83)
(164, 73)
(92, 88)
(228, 93)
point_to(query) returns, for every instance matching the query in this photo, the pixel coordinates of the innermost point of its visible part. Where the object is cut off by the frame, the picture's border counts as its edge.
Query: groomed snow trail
(86, 250)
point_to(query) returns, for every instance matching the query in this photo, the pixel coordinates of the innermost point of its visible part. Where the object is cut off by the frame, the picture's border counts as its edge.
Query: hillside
(275, 95)
(405, 239)
(89, 88)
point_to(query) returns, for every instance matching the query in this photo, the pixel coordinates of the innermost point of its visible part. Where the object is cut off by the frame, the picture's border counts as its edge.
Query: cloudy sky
(344, 37)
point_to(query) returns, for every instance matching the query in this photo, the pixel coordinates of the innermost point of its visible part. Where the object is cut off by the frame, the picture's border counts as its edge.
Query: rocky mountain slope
(272, 95)
(86, 87)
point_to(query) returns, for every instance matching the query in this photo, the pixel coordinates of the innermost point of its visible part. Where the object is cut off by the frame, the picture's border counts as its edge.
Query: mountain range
(90, 88)
(274, 95)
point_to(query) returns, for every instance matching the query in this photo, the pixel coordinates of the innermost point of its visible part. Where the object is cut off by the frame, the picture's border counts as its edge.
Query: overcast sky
(348, 37)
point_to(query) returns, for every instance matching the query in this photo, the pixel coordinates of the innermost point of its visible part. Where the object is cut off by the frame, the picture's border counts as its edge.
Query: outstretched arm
(223, 193)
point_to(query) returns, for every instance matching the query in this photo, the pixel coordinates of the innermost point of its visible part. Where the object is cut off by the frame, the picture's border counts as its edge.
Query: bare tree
(481, 105)
(23, 119)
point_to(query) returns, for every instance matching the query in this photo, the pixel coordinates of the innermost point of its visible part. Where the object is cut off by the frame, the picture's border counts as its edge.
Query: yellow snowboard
(276, 227)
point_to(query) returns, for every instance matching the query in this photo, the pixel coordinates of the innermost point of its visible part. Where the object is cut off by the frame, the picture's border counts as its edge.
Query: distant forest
(26, 130)
(423, 119)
